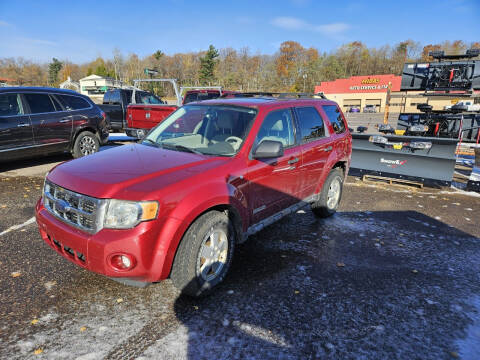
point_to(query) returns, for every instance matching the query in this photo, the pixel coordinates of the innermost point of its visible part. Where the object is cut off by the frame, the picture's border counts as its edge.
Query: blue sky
(81, 30)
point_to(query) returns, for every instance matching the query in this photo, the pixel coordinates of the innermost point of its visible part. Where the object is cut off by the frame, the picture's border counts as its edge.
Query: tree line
(292, 68)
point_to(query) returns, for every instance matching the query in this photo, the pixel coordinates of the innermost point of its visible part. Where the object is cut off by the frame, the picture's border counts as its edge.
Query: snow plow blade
(428, 160)
(473, 183)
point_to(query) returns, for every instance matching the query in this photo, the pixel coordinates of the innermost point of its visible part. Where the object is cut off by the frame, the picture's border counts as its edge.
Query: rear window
(335, 117)
(310, 123)
(200, 96)
(74, 102)
(39, 103)
(10, 105)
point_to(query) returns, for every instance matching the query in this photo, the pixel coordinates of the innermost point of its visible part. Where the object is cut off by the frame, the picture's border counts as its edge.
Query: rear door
(317, 145)
(15, 126)
(76, 107)
(273, 183)
(52, 124)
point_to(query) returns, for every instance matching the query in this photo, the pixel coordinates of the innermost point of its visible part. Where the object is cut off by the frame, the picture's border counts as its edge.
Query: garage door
(376, 102)
(351, 103)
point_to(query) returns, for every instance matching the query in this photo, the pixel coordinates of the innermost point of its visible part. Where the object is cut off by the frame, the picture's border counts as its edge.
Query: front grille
(78, 210)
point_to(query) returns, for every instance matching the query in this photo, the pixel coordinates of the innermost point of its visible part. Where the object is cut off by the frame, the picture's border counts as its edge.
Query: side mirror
(268, 149)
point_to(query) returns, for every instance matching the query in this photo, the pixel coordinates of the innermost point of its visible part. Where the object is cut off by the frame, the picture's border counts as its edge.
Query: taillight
(104, 116)
(122, 262)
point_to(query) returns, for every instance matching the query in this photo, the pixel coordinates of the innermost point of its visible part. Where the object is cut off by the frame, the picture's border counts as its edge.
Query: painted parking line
(19, 226)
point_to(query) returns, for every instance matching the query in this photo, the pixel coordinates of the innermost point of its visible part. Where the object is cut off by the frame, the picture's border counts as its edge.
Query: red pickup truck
(203, 180)
(142, 117)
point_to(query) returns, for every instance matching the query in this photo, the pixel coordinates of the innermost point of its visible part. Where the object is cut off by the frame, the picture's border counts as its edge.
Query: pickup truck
(210, 175)
(144, 116)
(141, 118)
(116, 101)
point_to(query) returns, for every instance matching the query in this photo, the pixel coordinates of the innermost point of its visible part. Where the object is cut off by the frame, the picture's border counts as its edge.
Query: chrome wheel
(88, 146)
(212, 257)
(333, 195)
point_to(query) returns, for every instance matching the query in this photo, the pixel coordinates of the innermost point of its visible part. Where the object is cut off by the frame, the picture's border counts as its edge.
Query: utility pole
(304, 79)
(387, 103)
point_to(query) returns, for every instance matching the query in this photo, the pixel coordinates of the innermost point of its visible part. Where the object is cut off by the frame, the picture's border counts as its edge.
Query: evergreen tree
(53, 69)
(207, 66)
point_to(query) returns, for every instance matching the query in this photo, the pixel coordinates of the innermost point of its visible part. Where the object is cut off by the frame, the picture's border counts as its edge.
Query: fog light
(122, 262)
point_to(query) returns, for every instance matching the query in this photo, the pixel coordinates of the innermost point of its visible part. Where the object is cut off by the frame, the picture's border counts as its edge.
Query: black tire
(322, 207)
(187, 274)
(86, 143)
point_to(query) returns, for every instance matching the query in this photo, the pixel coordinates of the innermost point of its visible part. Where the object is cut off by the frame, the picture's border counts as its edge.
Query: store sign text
(368, 87)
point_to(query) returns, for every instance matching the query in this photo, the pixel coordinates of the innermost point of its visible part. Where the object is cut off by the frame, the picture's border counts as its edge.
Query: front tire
(330, 195)
(85, 144)
(204, 254)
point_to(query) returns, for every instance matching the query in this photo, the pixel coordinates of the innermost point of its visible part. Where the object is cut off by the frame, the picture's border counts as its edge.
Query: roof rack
(278, 95)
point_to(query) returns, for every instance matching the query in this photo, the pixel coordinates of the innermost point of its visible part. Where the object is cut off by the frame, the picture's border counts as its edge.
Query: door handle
(292, 161)
(64, 120)
(23, 125)
(328, 149)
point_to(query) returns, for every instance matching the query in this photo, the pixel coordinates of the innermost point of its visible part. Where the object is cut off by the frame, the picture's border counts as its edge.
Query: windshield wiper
(180, 148)
(150, 141)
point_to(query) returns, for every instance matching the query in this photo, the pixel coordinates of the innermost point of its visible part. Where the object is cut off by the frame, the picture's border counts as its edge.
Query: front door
(273, 183)
(52, 125)
(15, 127)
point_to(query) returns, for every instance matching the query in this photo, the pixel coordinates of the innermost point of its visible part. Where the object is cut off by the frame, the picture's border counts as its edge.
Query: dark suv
(39, 121)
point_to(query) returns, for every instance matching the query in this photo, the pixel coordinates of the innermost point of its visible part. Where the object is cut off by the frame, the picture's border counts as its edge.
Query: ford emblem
(62, 206)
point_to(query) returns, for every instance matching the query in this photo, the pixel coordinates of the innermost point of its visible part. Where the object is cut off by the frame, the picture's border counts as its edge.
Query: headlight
(46, 187)
(127, 214)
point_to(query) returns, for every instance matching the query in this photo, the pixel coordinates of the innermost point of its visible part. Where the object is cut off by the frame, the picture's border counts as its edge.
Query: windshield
(210, 130)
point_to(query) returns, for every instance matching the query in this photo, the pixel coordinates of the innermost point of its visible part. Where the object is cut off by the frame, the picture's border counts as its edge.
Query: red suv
(202, 181)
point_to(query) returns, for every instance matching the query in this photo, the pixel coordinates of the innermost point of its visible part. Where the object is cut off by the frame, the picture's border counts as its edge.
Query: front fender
(197, 202)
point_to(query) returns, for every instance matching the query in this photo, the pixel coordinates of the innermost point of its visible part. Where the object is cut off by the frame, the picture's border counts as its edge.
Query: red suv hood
(109, 174)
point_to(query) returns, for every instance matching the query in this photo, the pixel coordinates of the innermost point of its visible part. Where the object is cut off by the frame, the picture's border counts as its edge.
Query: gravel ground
(393, 275)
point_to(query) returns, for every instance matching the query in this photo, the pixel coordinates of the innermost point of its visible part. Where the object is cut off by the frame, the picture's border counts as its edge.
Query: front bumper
(93, 251)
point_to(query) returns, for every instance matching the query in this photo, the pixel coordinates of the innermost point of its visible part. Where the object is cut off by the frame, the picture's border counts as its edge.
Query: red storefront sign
(360, 84)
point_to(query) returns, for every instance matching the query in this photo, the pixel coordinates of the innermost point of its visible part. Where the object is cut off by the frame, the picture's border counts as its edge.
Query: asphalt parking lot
(393, 275)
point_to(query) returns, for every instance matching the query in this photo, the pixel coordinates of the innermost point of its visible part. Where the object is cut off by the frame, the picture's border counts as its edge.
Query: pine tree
(53, 69)
(207, 66)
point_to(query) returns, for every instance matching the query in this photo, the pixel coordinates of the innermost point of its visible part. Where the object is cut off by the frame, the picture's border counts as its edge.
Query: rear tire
(204, 254)
(330, 195)
(86, 143)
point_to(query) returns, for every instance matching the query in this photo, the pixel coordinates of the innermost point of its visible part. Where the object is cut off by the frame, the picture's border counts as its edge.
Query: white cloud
(291, 23)
(4, 23)
(29, 41)
(333, 29)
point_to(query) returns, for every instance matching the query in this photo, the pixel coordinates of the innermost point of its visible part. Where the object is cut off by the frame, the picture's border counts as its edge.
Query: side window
(10, 105)
(74, 102)
(39, 103)
(277, 126)
(335, 118)
(57, 105)
(310, 123)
